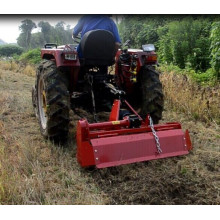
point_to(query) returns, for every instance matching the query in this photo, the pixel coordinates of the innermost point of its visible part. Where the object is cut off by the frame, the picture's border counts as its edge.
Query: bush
(9, 50)
(31, 56)
(190, 42)
(185, 43)
(203, 78)
(215, 48)
(207, 77)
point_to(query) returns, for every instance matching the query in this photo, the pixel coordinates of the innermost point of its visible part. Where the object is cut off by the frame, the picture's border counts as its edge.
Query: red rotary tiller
(129, 140)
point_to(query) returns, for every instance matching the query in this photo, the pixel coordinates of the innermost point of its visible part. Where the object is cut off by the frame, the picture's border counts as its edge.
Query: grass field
(35, 171)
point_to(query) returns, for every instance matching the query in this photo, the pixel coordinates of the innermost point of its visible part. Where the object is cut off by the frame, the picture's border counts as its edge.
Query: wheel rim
(42, 104)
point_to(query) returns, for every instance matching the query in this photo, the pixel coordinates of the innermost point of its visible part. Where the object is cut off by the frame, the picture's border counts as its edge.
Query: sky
(9, 24)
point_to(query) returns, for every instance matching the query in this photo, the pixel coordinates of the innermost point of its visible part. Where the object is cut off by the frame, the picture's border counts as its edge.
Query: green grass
(31, 56)
(203, 78)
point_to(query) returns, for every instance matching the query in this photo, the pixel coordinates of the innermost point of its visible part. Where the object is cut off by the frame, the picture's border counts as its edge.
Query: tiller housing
(129, 140)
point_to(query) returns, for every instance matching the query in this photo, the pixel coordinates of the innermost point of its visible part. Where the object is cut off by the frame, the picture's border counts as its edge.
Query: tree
(186, 43)
(26, 28)
(60, 33)
(46, 30)
(182, 40)
(37, 40)
(21, 40)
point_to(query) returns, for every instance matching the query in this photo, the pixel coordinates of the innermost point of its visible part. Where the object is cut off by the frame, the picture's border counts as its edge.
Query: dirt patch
(35, 171)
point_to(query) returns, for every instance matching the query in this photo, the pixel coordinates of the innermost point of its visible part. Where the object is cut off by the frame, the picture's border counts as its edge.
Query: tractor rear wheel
(52, 101)
(152, 98)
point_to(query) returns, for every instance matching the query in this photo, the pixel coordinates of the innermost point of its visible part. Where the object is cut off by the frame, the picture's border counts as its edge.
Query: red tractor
(132, 94)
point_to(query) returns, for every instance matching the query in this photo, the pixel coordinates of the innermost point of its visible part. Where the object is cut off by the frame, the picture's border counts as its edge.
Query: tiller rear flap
(128, 140)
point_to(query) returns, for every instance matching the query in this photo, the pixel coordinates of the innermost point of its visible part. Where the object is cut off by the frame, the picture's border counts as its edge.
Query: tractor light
(151, 58)
(70, 56)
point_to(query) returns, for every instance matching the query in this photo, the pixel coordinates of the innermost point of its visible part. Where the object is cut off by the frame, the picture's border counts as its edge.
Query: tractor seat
(98, 48)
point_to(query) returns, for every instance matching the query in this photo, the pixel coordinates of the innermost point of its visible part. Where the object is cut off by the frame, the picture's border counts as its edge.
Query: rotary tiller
(129, 140)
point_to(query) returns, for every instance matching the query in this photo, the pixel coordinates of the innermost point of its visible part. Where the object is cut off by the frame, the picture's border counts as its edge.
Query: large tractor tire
(51, 101)
(152, 98)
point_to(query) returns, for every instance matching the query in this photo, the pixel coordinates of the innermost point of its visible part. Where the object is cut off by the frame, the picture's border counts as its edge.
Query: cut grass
(14, 66)
(34, 170)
